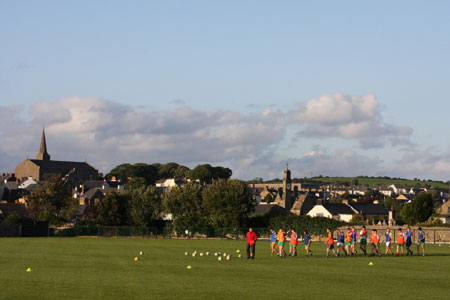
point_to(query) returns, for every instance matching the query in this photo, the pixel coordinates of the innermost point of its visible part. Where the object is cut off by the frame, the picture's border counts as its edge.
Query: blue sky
(182, 62)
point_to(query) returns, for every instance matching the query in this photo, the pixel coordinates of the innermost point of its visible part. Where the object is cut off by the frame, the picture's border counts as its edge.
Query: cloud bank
(107, 133)
(348, 117)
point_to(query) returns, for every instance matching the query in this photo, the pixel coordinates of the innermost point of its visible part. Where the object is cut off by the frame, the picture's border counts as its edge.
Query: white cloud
(108, 133)
(347, 117)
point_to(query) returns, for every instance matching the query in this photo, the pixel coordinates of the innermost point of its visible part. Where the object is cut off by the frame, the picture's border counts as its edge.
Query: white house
(398, 189)
(27, 183)
(167, 184)
(337, 211)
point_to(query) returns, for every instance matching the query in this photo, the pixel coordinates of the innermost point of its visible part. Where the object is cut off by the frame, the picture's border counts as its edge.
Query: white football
(224, 255)
(219, 258)
(185, 253)
(228, 257)
(207, 253)
(141, 253)
(201, 253)
(215, 254)
(239, 256)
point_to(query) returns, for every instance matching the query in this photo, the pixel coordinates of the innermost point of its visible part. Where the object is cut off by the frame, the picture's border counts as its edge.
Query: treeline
(225, 203)
(150, 174)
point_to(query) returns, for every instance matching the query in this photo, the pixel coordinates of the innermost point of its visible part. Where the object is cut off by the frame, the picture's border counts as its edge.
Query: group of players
(346, 241)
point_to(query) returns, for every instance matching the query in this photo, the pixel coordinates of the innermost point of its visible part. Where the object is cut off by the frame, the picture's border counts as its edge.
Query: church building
(75, 172)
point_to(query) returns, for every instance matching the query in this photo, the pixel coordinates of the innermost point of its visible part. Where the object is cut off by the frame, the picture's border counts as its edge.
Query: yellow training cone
(189, 267)
(237, 251)
(136, 258)
(29, 270)
(371, 264)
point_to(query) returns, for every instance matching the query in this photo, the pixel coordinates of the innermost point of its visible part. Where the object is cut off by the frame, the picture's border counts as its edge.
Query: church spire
(43, 155)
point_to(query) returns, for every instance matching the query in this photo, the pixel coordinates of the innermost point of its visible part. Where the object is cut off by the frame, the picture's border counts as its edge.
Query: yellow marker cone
(371, 264)
(237, 251)
(189, 267)
(29, 270)
(136, 258)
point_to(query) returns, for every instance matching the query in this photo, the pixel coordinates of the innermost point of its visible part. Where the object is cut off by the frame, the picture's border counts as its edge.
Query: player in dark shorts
(409, 238)
(330, 243)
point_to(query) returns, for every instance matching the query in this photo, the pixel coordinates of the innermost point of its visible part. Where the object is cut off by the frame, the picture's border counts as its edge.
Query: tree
(206, 173)
(418, 210)
(181, 172)
(268, 198)
(12, 218)
(52, 202)
(113, 210)
(145, 205)
(228, 203)
(136, 183)
(185, 203)
(357, 219)
(392, 203)
(437, 199)
(124, 171)
(202, 172)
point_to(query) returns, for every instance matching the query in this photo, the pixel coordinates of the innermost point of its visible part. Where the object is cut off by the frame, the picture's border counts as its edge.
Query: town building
(75, 172)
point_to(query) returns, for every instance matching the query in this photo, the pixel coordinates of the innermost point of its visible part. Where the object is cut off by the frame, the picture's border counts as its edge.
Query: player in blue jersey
(340, 242)
(307, 242)
(273, 241)
(354, 237)
(421, 241)
(388, 240)
(409, 239)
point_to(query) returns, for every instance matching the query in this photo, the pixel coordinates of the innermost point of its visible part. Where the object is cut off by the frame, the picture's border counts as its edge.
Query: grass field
(91, 268)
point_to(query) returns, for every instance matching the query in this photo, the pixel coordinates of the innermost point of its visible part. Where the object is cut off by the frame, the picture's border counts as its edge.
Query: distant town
(347, 201)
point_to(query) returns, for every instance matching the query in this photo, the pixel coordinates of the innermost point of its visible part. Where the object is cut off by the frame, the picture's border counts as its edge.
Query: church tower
(43, 155)
(287, 189)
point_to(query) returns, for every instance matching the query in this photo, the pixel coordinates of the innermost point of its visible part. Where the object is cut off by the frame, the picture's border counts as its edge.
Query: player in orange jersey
(330, 243)
(400, 242)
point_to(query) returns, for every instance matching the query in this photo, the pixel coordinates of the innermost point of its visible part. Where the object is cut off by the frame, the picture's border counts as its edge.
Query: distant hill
(370, 181)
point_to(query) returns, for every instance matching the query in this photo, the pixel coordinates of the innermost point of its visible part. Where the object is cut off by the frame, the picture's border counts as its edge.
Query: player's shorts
(363, 242)
(374, 245)
(292, 246)
(280, 244)
(330, 246)
(421, 243)
(401, 244)
(272, 243)
(347, 244)
(340, 245)
(408, 243)
(353, 243)
(388, 244)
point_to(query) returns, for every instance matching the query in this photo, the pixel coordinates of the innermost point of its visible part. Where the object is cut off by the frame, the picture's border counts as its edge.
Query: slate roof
(338, 209)
(93, 192)
(61, 166)
(370, 209)
(272, 209)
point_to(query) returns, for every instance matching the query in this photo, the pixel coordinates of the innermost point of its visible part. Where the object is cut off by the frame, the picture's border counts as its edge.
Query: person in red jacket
(251, 241)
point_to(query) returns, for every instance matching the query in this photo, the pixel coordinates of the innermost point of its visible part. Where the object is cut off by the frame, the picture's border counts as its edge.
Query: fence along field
(432, 235)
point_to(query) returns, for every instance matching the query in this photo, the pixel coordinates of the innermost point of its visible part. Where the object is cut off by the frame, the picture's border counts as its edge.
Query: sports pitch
(91, 268)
